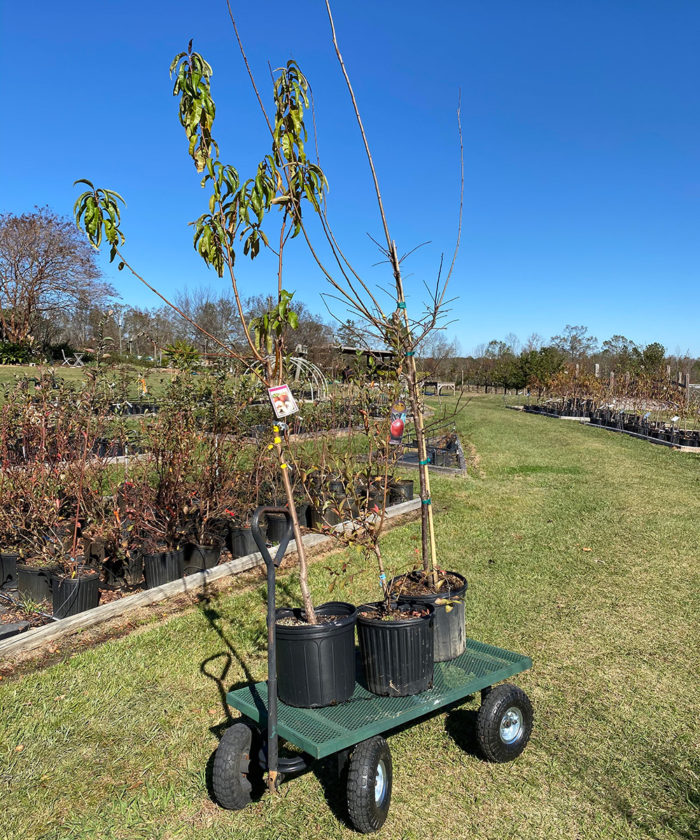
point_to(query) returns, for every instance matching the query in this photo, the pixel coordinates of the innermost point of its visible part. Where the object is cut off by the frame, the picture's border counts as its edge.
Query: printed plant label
(283, 403)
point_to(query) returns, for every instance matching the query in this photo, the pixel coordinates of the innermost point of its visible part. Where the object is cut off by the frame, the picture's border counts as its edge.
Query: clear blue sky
(581, 129)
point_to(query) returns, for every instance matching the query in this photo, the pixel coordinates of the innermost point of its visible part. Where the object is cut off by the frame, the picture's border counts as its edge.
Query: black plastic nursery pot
(163, 567)
(276, 526)
(397, 656)
(121, 572)
(242, 542)
(201, 557)
(316, 662)
(73, 595)
(34, 582)
(401, 491)
(8, 568)
(448, 632)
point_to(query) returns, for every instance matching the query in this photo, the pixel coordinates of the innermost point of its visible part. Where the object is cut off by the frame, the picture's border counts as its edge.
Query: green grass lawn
(581, 549)
(156, 380)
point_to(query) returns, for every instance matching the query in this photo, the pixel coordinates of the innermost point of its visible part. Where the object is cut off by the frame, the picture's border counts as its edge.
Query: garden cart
(355, 731)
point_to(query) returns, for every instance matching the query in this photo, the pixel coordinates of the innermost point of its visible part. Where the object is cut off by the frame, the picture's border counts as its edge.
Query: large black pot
(401, 491)
(316, 662)
(73, 595)
(34, 582)
(449, 635)
(200, 557)
(334, 514)
(242, 542)
(276, 526)
(8, 569)
(120, 572)
(163, 567)
(397, 656)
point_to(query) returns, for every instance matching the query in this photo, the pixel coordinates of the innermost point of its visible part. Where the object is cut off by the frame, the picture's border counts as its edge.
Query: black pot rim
(26, 567)
(158, 555)
(83, 574)
(404, 622)
(312, 630)
(430, 599)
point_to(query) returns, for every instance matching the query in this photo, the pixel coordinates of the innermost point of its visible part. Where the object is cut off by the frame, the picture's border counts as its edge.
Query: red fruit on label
(397, 427)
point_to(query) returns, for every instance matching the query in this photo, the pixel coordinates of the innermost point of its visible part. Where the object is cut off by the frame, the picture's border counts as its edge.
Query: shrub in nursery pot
(396, 648)
(316, 662)
(448, 632)
(163, 567)
(75, 593)
(200, 557)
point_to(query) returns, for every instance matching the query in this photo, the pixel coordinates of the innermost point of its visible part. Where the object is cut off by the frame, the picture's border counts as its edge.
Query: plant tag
(398, 423)
(283, 403)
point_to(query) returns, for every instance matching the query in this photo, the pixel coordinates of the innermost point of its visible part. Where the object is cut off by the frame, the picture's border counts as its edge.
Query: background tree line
(510, 365)
(53, 299)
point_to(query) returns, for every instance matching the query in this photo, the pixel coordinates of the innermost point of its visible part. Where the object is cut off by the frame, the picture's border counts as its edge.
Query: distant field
(581, 550)
(155, 379)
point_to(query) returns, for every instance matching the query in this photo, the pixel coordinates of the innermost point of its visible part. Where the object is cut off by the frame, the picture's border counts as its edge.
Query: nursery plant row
(639, 425)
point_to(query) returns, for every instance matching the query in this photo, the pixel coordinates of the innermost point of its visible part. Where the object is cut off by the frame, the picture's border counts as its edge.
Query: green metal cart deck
(322, 732)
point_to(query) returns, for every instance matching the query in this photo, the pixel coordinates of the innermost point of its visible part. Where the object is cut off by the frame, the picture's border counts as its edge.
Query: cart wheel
(235, 772)
(504, 723)
(369, 784)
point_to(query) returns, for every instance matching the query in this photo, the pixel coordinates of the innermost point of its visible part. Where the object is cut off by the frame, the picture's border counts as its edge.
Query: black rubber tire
(365, 812)
(497, 703)
(235, 772)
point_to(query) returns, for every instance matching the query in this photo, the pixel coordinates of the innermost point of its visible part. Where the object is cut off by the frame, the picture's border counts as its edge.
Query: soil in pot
(396, 648)
(448, 601)
(8, 569)
(73, 595)
(200, 557)
(163, 567)
(316, 662)
(34, 582)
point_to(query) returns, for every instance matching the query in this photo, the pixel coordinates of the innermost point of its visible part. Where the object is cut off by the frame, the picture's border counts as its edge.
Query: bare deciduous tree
(46, 266)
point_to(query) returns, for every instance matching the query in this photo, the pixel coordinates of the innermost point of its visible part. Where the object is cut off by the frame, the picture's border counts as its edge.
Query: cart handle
(260, 539)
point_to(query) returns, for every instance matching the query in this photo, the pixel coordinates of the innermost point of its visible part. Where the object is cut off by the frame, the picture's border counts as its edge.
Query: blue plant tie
(427, 461)
(401, 304)
(427, 501)
(410, 353)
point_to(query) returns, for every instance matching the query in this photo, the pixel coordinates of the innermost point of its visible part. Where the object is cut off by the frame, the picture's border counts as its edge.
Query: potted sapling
(238, 211)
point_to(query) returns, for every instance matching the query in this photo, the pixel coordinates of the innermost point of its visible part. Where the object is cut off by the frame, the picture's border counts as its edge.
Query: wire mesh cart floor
(322, 732)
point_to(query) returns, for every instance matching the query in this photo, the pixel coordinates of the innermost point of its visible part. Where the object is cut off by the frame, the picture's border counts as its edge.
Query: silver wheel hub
(380, 783)
(511, 725)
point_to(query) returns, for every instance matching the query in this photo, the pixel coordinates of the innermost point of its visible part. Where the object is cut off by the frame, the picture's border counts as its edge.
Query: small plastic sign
(283, 403)
(398, 423)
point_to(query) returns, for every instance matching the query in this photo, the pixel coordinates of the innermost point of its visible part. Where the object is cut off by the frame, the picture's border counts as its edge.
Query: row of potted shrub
(77, 589)
(632, 423)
